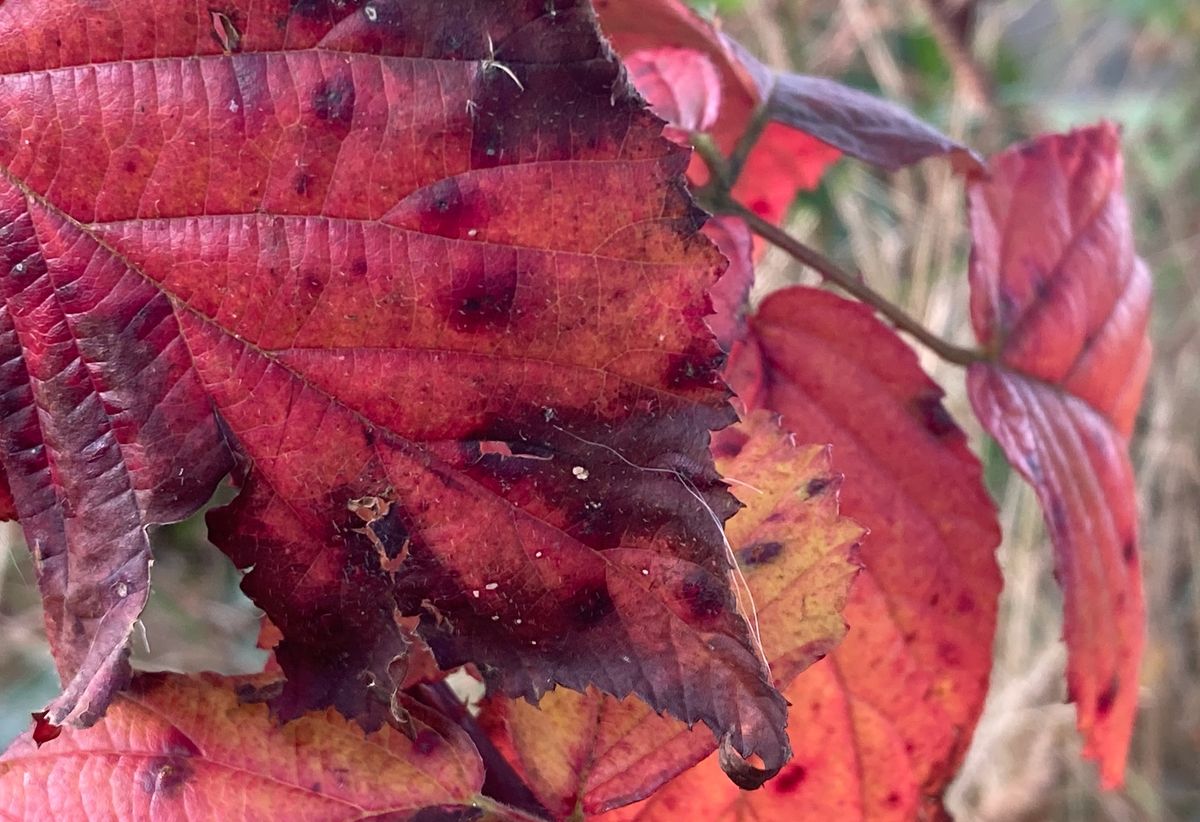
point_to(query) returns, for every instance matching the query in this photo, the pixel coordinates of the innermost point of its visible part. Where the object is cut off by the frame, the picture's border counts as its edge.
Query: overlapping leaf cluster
(429, 286)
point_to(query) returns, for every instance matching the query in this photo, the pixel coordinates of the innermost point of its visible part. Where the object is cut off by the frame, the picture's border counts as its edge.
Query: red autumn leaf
(1061, 299)
(681, 85)
(367, 249)
(879, 727)
(730, 296)
(177, 747)
(43, 731)
(783, 160)
(591, 753)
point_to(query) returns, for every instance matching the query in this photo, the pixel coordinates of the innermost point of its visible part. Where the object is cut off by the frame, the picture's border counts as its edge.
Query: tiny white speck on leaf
(580, 472)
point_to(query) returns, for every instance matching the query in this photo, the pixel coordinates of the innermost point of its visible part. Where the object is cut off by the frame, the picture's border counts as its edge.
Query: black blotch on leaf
(817, 485)
(426, 742)
(589, 606)
(789, 779)
(164, 775)
(1129, 552)
(704, 595)
(333, 100)
(930, 412)
(446, 210)
(480, 300)
(760, 552)
(1107, 697)
(698, 367)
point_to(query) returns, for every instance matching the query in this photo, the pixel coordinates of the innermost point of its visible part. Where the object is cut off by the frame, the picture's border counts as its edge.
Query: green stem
(852, 284)
(718, 166)
(754, 130)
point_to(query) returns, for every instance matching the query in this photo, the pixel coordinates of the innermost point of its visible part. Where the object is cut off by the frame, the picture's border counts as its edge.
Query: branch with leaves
(439, 309)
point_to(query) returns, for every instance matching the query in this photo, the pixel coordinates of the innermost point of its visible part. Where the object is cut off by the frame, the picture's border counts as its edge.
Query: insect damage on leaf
(357, 243)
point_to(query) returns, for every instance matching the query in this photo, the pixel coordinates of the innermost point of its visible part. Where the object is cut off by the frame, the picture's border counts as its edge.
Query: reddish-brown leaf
(1060, 297)
(438, 269)
(592, 752)
(904, 690)
(861, 125)
(177, 747)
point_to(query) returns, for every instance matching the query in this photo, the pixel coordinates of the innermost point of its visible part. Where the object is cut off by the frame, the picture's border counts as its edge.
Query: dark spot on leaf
(480, 300)
(164, 775)
(949, 654)
(789, 779)
(965, 604)
(1129, 552)
(426, 742)
(892, 799)
(333, 100)
(1107, 697)
(359, 267)
(817, 485)
(302, 183)
(590, 605)
(760, 552)
(1057, 514)
(448, 210)
(697, 367)
(704, 595)
(130, 166)
(934, 600)
(930, 412)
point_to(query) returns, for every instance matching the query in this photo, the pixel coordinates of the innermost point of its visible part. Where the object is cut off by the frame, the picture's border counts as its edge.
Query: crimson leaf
(436, 279)
(1061, 298)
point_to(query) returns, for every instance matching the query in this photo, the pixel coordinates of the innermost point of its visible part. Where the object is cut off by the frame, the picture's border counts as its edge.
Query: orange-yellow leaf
(591, 752)
(176, 747)
(904, 690)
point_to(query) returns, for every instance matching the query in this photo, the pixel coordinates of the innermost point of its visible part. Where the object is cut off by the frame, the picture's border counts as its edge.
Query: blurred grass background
(990, 73)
